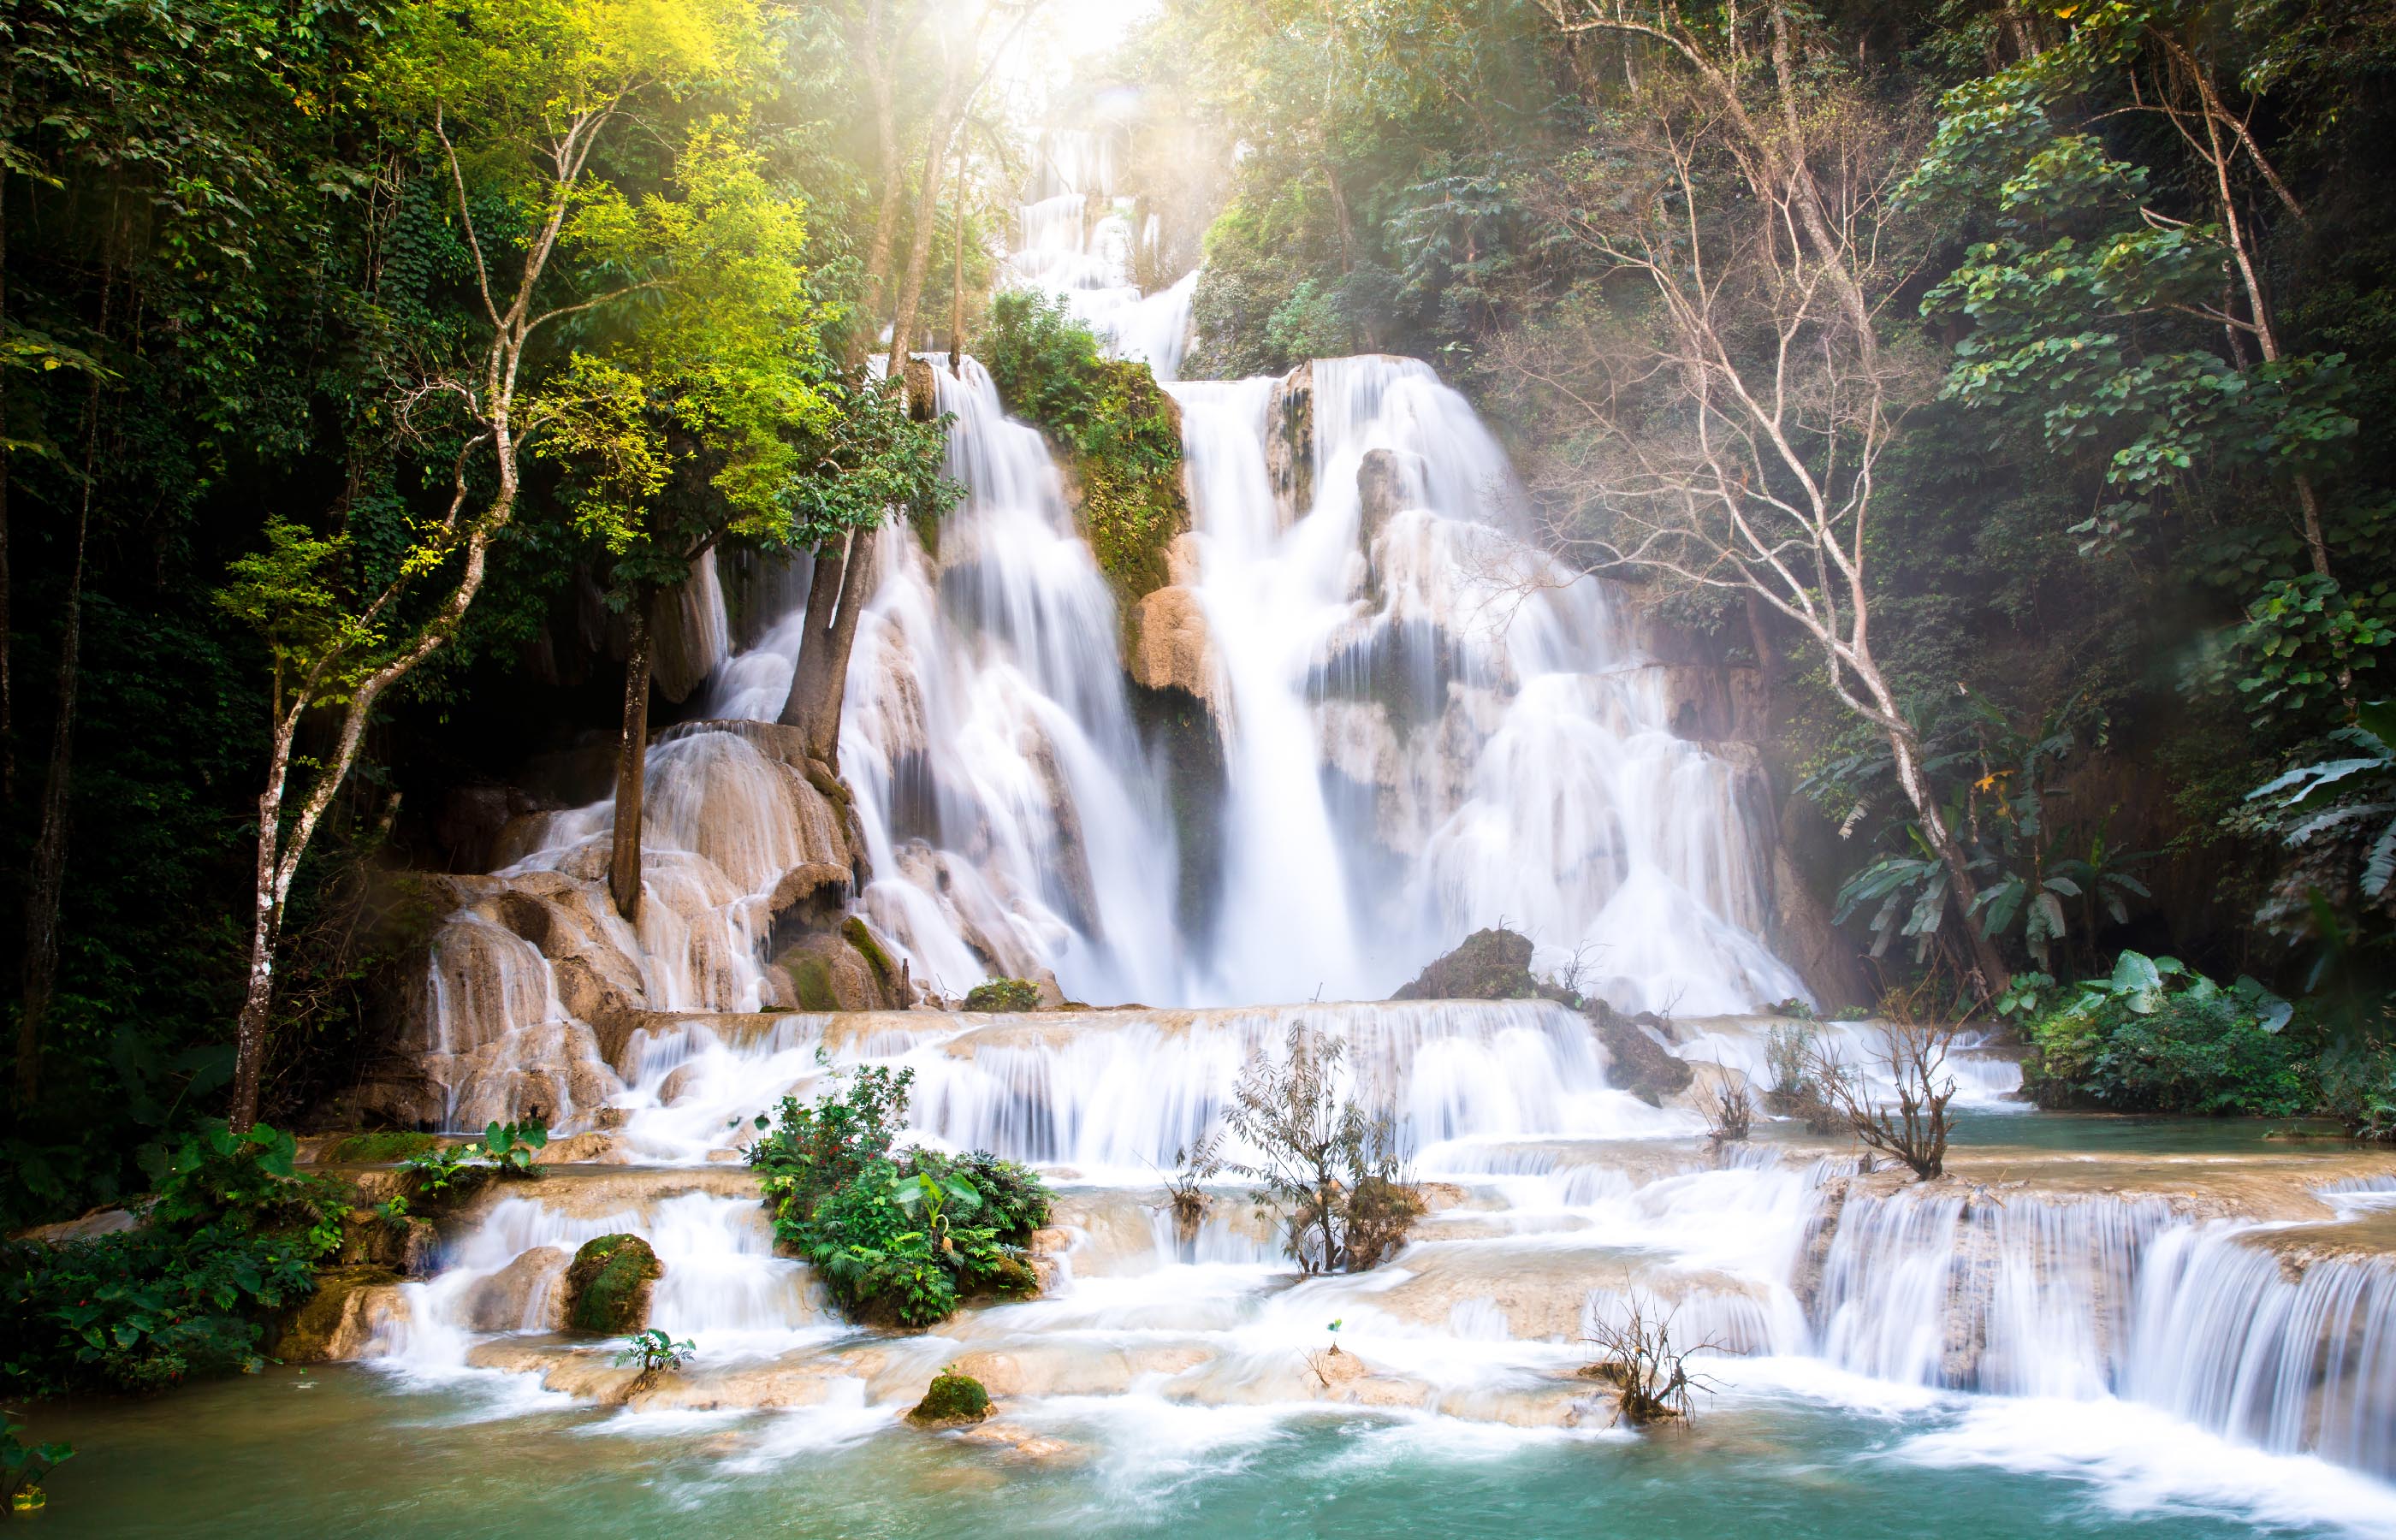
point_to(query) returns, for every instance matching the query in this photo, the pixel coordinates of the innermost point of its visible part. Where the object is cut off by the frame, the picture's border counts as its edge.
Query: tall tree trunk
(957, 275)
(919, 252)
(836, 597)
(631, 771)
(876, 282)
(47, 882)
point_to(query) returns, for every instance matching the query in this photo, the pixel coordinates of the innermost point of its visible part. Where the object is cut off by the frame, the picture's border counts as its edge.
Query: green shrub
(232, 1239)
(898, 1240)
(1003, 994)
(2157, 1037)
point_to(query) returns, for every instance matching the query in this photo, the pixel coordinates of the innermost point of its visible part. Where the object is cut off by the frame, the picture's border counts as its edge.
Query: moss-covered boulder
(607, 1285)
(1491, 964)
(844, 968)
(953, 1400)
(1003, 994)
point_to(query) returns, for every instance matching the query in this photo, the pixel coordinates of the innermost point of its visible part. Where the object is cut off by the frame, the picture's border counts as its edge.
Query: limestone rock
(523, 1295)
(336, 1322)
(953, 1400)
(1638, 1063)
(607, 1286)
(847, 969)
(1490, 964)
(1173, 649)
(923, 389)
(1388, 481)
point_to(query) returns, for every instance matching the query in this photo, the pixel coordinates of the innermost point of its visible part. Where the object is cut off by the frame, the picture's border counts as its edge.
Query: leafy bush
(1003, 994)
(2158, 1037)
(231, 1239)
(447, 1172)
(898, 1240)
(1338, 1171)
(653, 1352)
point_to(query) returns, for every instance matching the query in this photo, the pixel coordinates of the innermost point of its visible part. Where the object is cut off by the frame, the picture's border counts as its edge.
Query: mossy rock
(382, 1146)
(607, 1286)
(312, 1331)
(1003, 994)
(955, 1400)
(1011, 1278)
(811, 983)
(1490, 964)
(860, 936)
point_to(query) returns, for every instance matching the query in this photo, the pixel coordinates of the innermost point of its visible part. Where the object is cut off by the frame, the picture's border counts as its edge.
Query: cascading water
(1425, 726)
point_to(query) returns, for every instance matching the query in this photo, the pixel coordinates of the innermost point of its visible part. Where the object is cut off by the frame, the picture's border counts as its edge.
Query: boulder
(607, 1286)
(1637, 1063)
(923, 388)
(1490, 964)
(523, 1295)
(336, 1322)
(953, 1400)
(1172, 648)
(846, 969)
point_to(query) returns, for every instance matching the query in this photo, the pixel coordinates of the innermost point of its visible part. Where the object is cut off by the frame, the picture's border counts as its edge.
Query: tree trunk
(8, 682)
(631, 771)
(957, 275)
(876, 282)
(837, 596)
(919, 252)
(49, 868)
(1994, 978)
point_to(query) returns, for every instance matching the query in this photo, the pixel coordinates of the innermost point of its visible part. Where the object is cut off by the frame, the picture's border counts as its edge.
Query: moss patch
(608, 1287)
(380, 1148)
(1003, 994)
(953, 1400)
(811, 982)
(860, 936)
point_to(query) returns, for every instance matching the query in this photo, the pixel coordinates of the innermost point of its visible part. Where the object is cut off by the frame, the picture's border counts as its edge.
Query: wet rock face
(607, 1286)
(1491, 964)
(1171, 646)
(1290, 444)
(1640, 1064)
(336, 1322)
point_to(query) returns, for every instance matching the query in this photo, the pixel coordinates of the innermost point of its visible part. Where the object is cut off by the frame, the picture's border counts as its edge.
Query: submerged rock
(608, 1287)
(1491, 964)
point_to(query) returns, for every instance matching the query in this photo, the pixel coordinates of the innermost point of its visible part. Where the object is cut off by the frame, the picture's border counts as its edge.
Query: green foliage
(382, 1146)
(24, 1467)
(1114, 420)
(1347, 1204)
(232, 1237)
(2157, 1037)
(653, 1352)
(1003, 994)
(898, 1241)
(447, 1171)
(2338, 814)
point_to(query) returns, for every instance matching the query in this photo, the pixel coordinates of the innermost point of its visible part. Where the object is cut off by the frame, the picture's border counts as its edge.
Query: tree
(510, 104)
(1745, 410)
(2097, 317)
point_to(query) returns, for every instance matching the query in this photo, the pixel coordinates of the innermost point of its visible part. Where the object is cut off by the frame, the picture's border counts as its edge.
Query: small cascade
(2015, 1294)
